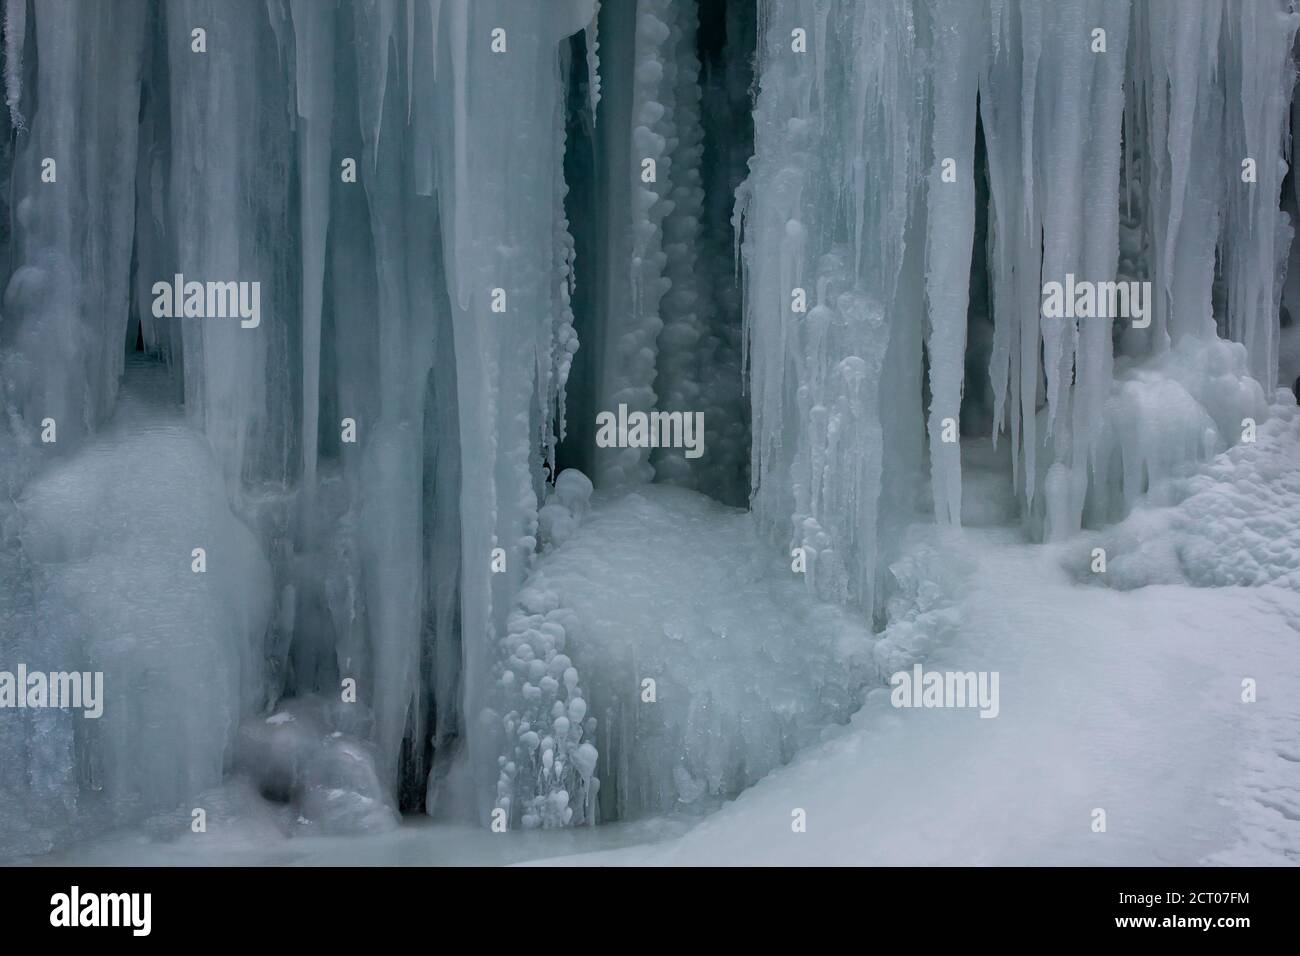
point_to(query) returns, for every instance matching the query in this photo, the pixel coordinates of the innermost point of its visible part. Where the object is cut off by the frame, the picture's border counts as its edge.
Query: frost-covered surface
(1162, 418)
(1203, 596)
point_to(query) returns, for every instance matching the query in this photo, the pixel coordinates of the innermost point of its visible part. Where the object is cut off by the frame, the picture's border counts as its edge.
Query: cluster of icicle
(224, 157)
(1089, 109)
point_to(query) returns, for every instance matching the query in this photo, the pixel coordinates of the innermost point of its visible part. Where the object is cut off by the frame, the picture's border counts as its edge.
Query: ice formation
(1089, 114)
(826, 225)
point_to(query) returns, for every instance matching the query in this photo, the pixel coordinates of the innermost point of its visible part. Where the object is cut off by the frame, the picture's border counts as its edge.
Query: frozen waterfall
(347, 348)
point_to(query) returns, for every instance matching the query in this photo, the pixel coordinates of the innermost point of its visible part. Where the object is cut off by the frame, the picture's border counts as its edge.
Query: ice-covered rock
(298, 755)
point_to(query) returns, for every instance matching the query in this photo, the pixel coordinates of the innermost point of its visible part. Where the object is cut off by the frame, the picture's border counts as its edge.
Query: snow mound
(1234, 522)
(100, 548)
(706, 661)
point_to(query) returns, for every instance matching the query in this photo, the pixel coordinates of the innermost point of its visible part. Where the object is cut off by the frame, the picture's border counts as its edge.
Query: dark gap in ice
(977, 391)
(580, 207)
(726, 44)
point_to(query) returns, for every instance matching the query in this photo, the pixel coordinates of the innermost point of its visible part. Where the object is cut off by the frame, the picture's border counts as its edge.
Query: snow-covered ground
(1123, 699)
(1128, 699)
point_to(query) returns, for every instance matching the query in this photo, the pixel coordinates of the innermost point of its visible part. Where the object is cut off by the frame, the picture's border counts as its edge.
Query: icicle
(313, 26)
(410, 57)
(385, 18)
(950, 230)
(435, 19)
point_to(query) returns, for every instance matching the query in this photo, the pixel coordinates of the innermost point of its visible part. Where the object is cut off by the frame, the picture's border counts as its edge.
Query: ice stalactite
(1067, 134)
(950, 226)
(394, 491)
(68, 290)
(313, 26)
(233, 383)
(557, 357)
(828, 282)
(1198, 217)
(505, 293)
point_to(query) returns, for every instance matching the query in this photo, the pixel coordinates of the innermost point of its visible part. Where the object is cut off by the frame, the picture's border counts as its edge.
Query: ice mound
(1235, 522)
(546, 771)
(705, 660)
(302, 755)
(566, 505)
(1164, 418)
(923, 609)
(101, 547)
